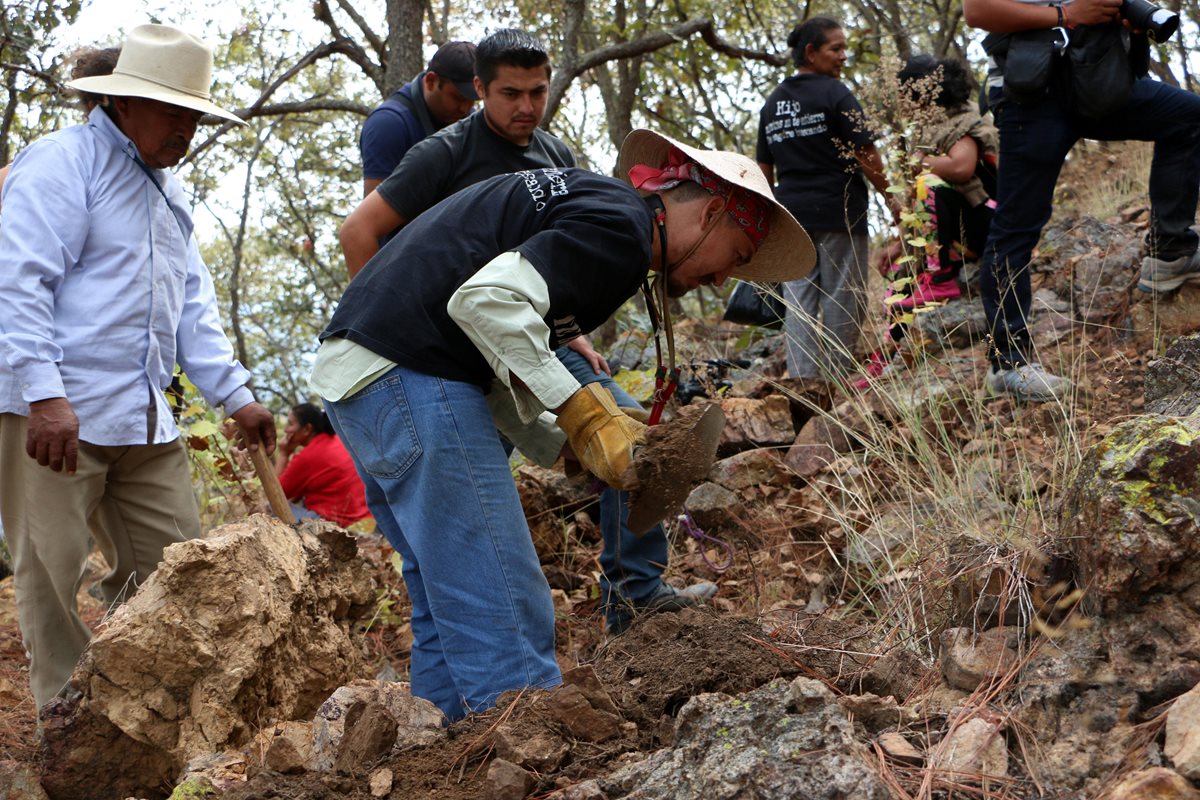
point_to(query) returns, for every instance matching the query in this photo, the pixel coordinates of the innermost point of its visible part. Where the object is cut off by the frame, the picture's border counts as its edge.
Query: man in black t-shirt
(468, 301)
(514, 79)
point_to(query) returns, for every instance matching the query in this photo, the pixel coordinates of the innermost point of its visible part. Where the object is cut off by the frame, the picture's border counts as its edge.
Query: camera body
(1159, 23)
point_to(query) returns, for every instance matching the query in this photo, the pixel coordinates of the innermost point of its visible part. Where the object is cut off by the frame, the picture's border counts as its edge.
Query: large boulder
(1131, 512)
(1094, 263)
(254, 624)
(953, 325)
(789, 741)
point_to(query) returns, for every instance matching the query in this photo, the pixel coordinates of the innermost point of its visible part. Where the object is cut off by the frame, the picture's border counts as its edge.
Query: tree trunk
(404, 58)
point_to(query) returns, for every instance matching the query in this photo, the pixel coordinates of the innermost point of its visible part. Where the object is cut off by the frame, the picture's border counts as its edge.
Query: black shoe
(665, 598)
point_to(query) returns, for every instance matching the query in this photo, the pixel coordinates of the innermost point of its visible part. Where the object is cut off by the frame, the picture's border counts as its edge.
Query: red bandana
(751, 212)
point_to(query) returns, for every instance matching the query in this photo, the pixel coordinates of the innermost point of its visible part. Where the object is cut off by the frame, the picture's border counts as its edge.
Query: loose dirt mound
(665, 660)
(649, 673)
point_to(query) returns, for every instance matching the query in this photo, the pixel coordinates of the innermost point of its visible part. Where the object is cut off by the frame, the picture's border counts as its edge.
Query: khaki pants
(136, 499)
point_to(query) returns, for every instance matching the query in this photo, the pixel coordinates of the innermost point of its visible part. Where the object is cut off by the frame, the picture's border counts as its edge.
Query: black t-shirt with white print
(461, 155)
(587, 235)
(808, 129)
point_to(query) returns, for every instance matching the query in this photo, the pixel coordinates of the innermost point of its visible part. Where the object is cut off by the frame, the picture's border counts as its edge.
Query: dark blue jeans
(631, 565)
(441, 491)
(1034, 141)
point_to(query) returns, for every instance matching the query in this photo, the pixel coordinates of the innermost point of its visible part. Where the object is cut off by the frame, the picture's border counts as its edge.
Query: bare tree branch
(372, 37)
(567, 73)
(714, 41)
(303, 106)
(54, 82)
(254, 110)
(565, 76)
(351, 49)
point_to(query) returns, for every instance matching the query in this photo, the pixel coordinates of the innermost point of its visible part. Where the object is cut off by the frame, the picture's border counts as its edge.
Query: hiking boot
(1165, 276)
(665, 598)
(928, 291)
(1028, 383)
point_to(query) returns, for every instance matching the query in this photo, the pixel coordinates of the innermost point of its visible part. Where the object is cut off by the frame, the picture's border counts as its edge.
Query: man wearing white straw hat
(472, 297)
(104, 292)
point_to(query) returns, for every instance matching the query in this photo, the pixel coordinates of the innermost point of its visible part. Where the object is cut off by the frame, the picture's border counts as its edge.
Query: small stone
(940, 701)
(220, 771)
(896, 746)
(749, 468)
(876, 713)
(10, 696)
(755, 423)
(287, 747)
(1183, 734)
(506, 781)
(541, 751)
(588, 790)
(974, 748)
(380, 782)
(569, 706)
(418, 721)
(817, 445)
(970, 659)
(1156, 783)
(713, 506)
(19, 782)
(585, 678)
(369, 733)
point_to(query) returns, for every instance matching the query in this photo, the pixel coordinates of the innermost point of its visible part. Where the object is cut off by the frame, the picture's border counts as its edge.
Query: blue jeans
(440, 489)
(631, 565)
(1034, 141)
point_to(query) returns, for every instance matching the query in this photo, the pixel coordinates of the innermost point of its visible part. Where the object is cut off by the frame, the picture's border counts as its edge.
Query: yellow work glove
(602, 436)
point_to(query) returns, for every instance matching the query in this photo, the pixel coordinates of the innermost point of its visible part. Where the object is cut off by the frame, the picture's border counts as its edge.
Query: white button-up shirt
(102, 290)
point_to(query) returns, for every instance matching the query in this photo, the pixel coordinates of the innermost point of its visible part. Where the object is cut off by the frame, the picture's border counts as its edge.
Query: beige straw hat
(787, 253)
(159, 62)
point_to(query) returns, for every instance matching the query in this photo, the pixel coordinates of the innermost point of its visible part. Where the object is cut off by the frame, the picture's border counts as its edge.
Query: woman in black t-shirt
(814, 148)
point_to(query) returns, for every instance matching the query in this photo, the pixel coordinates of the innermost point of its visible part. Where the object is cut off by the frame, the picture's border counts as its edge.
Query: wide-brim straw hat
(786, 254)
(162, 63)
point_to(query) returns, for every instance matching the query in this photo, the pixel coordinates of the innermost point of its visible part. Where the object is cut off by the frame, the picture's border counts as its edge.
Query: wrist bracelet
(1061, 17)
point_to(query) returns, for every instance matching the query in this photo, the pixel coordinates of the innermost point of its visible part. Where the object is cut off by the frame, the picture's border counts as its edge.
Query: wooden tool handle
(270, 483)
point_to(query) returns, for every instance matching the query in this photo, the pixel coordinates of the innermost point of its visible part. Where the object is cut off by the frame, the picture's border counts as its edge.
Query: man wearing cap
(513, 78)
(470, 299)
(444, 93)
(104, 292)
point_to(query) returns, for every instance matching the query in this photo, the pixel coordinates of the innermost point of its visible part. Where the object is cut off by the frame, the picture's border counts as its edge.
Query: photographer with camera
(1059, 73)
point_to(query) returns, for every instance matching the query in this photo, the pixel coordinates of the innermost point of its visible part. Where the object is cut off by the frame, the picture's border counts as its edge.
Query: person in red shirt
(315, 470)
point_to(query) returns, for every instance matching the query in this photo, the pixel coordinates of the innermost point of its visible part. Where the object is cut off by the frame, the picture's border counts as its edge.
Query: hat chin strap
(657, 305)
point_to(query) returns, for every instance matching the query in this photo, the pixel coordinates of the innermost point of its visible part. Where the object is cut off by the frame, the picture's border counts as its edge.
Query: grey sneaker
(665, 598)
(1028, 383)
(1165, 276)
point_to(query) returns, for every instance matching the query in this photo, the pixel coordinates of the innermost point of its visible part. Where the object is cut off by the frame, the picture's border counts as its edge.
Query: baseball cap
(455, 61)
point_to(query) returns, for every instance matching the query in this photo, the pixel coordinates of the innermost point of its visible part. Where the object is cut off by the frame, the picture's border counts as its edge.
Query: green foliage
(31, 76)
(222, 492)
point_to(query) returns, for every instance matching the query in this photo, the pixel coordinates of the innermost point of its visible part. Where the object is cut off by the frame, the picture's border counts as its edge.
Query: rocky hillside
(924, 593)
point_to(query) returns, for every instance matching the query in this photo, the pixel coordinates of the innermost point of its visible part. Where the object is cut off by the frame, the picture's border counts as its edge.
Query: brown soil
(649, 672)
(673, 459)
